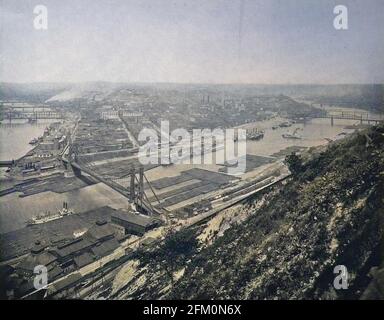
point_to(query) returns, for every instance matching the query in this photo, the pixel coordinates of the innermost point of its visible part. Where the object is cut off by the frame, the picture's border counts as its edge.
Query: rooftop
(67, 281)
(105, 248)
(73, 247)
(84, 259)
(138, 219)
(100, 231)
(33, 260)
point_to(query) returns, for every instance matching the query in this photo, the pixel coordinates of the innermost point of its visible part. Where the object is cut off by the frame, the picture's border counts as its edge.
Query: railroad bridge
(362, 117)
(30, 113)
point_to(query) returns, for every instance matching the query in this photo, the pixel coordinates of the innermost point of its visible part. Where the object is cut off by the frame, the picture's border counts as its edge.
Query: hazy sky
(219, 41)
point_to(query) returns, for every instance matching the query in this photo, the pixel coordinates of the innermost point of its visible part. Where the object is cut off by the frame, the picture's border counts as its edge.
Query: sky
(194, 41)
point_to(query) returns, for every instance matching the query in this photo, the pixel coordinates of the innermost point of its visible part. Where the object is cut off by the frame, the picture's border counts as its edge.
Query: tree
(174, 251)
(294, 163)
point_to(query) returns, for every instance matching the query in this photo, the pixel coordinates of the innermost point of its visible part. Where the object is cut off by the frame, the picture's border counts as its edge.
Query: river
(15, 137)
(14, 211)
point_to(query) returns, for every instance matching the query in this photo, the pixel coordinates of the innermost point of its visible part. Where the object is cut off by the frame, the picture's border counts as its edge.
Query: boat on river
(47, 217)
(293, 135)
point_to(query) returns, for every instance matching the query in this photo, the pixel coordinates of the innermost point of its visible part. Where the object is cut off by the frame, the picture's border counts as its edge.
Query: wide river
(15, 137)
(14, 211)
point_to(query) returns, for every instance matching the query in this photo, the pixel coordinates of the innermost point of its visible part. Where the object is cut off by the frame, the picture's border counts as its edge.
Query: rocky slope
(289, 240)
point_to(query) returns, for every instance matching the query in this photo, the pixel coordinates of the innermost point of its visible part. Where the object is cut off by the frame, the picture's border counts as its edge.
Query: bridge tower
(132, 195)
(73, 151)
(141, 185)
(136, 193)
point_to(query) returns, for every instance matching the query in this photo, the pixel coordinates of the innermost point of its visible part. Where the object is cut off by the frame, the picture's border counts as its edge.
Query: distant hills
(365, 96)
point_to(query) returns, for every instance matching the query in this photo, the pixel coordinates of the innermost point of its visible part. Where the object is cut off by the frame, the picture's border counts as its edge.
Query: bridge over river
(30, 113)
(135, 192)
(362, 117)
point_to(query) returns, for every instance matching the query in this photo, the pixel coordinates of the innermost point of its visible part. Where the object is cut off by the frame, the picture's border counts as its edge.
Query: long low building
(134, 223)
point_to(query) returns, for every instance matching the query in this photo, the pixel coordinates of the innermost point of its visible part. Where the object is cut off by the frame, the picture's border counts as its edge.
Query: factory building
(68, 256)
(21, 281)
(97, 242)
(38, 256)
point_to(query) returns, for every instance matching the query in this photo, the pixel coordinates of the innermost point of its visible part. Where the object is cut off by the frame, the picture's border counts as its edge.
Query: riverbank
(15, 137)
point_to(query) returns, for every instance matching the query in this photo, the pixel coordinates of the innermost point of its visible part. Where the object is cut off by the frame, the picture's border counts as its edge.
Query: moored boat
(47, 217)
(293, 135)
(33, 141)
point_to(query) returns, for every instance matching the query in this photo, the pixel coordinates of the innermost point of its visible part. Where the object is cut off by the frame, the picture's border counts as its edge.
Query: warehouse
(134, 223)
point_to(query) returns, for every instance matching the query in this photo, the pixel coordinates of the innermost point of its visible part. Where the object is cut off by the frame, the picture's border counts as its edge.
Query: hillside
(330, 213)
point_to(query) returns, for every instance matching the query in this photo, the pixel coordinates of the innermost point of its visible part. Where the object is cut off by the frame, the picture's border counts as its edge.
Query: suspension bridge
(130, 185)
